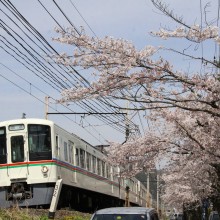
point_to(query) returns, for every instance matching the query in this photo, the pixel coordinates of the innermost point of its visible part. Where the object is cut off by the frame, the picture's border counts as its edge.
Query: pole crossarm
(86, 113)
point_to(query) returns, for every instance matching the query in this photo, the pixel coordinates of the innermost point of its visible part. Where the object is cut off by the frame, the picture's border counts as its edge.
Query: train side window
(88, 161)
(57, 145)
(132, 185)
(115, 174)
(65, 151)
(57, 142)
(107, 171)
(99, 167)
(3, 146)
(103, 168)
(93, 164)
(70, 144)
(77, 157)
(111, 172)
(82, 158)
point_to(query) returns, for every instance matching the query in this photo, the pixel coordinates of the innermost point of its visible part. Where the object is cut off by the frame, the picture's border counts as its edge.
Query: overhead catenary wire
(105, 101)
(66, 17)
(24, 90)
(16, 58)
(45, 47)
(82, 17)
(31, 70)
(48, 47)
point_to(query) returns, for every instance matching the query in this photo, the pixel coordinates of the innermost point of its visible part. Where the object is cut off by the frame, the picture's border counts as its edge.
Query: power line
(82, 17)
(105, 101)
(24, 90)
(48, 47)
(66, 17)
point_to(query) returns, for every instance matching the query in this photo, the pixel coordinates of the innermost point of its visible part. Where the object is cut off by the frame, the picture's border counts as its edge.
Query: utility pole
(46, 106)
(127, 125)
(158, 190)
(148, 189)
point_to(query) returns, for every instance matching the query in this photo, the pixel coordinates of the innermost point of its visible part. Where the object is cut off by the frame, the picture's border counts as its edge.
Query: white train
(35, 153)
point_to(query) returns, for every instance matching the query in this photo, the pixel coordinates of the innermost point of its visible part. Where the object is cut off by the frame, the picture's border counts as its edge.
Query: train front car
(27, 171)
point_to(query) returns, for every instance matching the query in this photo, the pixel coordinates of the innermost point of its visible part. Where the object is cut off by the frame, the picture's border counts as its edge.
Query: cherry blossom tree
(183, 107)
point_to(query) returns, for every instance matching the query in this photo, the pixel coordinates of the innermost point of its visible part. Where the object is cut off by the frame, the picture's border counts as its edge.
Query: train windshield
(39, 142)
(3, 149)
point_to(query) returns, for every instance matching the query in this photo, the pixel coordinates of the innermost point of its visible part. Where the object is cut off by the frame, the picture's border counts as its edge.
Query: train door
(71, 159)
(58, 142)
(17, 155)
(70, 146)
(75, 162)
(17, 148)
(57, 147)
(3, 146)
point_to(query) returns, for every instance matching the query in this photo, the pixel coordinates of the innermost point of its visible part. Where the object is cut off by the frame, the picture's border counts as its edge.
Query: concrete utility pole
(158, 190)
(148, 189)
(46, 106)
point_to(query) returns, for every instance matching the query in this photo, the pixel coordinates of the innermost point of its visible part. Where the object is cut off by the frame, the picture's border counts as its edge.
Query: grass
(40, 214)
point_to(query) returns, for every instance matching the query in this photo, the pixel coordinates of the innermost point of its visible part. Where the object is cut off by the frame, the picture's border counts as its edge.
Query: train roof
(29, 120)
(43, 121)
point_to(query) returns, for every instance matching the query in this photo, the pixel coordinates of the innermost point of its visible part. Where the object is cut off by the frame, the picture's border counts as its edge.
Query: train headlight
(44, 169)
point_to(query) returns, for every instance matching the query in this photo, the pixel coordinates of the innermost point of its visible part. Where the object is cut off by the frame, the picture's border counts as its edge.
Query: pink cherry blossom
(182, 107)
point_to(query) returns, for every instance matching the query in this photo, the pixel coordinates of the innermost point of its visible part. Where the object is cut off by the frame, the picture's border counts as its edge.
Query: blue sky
(129, 19)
